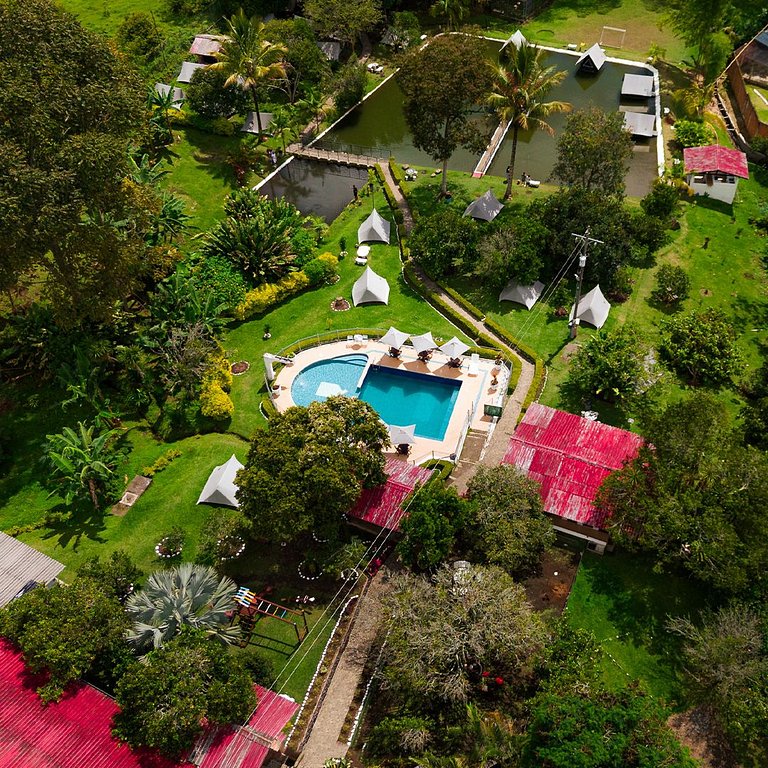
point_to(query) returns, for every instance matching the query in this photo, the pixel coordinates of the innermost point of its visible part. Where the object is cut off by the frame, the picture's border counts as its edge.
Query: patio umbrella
(402, 435)
(394, 338)
(454, 348)
(423, 343)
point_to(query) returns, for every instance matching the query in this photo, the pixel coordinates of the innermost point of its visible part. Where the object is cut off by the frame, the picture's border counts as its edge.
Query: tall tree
(188, 595)
(455, 11)
(593, 152)
(343, 19)
(249, 59)
(68, 632)
(442, 83)
(166, 701)
(521, 84)
(440, 629)
(70, 110)
(310, 466)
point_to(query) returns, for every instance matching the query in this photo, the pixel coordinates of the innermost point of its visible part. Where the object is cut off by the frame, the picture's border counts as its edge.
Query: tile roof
(381, 505)
(19, 564)
(715, 158)
(570, 456)
(72, 733)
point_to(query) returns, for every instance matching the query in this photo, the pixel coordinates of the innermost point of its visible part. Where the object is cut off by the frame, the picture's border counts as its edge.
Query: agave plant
(187, 595)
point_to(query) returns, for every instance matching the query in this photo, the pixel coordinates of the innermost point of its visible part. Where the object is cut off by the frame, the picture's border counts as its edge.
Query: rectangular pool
(403, 398)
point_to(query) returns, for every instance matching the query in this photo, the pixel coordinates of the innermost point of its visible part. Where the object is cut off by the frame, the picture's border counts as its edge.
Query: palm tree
(453, 10)
(82, 461)
(520, 85)
(282, 124)
(248, 59)
(187, 595)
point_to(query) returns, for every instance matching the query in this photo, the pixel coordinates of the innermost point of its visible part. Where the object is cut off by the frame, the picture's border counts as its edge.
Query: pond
(379, 123)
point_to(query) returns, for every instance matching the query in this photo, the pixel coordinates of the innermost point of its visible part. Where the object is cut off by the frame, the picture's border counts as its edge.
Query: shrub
(350, 86)
(672, 284)
(662, 201)
(267, 295)
(259, 667)
(222, 127)
(160, 464)
(397, 172)
(210, 98)
(221, 280)
(219, 530)
(691, 134)
(215, 403)
(138, 35)
(400, 736)
(322, 269)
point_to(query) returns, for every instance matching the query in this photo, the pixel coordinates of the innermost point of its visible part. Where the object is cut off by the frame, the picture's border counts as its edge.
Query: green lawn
(625, 605)
(760, 105)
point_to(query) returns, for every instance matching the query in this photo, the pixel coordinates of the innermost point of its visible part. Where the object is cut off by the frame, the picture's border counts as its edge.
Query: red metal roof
(570, 456)
(381, 505)
(73, 733)
(206, 45)
(715, 158)
(231, 747)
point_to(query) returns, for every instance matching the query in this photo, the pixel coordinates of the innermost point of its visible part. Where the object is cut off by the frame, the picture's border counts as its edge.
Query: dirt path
(323, 741)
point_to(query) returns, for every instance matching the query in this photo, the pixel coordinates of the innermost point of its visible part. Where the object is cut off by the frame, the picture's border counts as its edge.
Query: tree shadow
(70, 526)
(212, 154)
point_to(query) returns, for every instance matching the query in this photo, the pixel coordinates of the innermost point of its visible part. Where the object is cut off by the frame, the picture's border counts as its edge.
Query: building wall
(596, 541)
(753, 126)
(717, 190)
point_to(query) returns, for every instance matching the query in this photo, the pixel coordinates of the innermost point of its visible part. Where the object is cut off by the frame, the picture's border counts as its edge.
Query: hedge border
(443, 467)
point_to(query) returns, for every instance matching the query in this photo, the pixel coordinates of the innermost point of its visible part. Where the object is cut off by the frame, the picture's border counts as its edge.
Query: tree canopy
(593, 152)
(344, 19)
(442, 83)
(165, 701)
(309, 467)
(70, 108)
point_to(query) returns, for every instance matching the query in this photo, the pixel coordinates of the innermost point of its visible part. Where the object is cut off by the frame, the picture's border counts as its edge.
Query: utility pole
(585, 241)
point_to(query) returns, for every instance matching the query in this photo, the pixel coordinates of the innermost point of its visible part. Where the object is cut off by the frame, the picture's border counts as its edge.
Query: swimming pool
(399, 397)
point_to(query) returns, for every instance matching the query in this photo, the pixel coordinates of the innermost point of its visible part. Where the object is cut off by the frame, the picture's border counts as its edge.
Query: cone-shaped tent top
(517, 38)
(402, 435)
(374, 228)
(486, 207)
(220, 487)
(394, 338)
(454, 347)
(591, 61)
(527, 295)
(593, 308)
(424, 342)
(370, 287)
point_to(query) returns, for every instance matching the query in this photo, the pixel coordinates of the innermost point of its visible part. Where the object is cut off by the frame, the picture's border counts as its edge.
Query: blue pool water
(399, 397)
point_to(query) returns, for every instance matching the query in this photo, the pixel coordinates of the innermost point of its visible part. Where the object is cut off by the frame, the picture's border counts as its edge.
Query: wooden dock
(332, 156)
(490, 151)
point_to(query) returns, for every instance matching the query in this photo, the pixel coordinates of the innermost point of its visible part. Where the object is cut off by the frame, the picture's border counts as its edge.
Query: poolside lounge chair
(474, 362)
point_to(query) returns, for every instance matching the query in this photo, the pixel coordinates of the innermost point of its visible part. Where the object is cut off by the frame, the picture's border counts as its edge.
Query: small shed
(640, 124)
(178, 94)
(591, 61)
(206, 46)
(517, 39)
(370, 288)
(188, 68)
(527, 295)
(715, 171)
(374, 229)
(330, 48)
(486, 207)
(637, 86)
(251, 124)
(593, 308)
(220, 487)
(21, 566)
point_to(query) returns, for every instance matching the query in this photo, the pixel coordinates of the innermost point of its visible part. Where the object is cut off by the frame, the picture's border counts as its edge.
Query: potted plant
(171, 544)
(267, 334)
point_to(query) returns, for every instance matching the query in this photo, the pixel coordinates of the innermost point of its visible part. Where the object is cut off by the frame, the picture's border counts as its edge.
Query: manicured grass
(625, 605)
(759, 104)
(200, 173)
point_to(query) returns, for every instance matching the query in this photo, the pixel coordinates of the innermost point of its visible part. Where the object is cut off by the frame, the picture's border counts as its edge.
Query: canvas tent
(486, 207)
(188, 68)
(374, 228)
(220, 487)
(178, 94)
(591, 61)
(369, 288)
(593, 308)
(517, 38)
(637, 86)
(639, 124)
(527, 295)
(251, 125)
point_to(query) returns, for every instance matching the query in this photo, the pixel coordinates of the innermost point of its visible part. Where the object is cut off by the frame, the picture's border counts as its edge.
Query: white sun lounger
(474, 364)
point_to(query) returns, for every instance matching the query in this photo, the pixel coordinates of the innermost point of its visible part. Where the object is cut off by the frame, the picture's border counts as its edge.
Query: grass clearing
(625, 604)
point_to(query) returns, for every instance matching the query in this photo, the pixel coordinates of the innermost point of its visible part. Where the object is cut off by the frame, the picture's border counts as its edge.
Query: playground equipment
(254, 606)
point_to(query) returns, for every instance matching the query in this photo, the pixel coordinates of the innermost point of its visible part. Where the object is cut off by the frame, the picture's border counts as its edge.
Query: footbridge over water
(357, 156)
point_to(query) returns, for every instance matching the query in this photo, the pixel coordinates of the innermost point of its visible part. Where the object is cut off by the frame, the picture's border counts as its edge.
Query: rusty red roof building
(382, 506)
(75, 732)
(569, 456)
(715, 159)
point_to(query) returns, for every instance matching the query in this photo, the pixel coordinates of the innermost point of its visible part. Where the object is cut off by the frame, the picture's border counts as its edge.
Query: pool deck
(475, 391)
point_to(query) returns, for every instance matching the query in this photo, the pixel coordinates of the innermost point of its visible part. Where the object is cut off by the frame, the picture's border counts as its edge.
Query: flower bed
(340, 304)
(239, 368)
